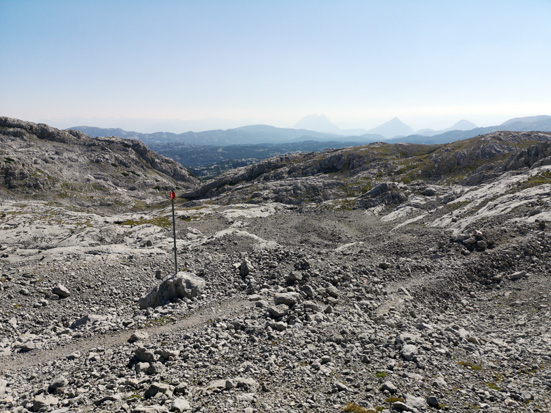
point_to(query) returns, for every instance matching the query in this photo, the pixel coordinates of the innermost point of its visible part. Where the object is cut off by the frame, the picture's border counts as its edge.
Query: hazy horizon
(218, 65)
(199, 125)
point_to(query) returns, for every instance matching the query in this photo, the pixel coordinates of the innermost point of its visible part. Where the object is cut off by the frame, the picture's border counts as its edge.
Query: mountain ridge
(253, 134)
(69, 166)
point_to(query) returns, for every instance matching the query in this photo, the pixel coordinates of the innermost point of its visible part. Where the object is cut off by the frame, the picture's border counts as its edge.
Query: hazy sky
(360, 63)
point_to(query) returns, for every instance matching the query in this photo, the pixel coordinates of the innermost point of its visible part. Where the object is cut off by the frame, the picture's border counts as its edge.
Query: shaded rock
(402, 407)
(157, 387)
(278, 326)
(248, 384)
(144, 355)
(278, 310)
(58, 383)
(332, 291)
(3, 388)
(432, 401)
(138, 336)
(245, 268)
(111, 398)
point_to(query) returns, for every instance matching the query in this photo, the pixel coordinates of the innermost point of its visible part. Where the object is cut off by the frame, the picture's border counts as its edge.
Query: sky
(178, 65)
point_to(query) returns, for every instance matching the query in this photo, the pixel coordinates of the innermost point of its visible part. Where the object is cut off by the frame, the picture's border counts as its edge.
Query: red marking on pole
(172, 195)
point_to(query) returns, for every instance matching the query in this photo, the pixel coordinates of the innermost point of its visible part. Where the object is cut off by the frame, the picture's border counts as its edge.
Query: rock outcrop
(42, 162)
(355, 172)
(181, 285)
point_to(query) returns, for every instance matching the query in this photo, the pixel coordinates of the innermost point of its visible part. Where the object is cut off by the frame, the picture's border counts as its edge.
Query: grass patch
(470, 365)
(381, 374)
(163, 222)
(493, 386)
(536, 180)
(394, 400)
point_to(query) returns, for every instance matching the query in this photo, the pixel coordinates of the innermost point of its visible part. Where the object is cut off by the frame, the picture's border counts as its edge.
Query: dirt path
(223, 309)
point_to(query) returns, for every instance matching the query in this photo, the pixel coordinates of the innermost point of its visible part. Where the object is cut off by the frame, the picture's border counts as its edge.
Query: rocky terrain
(372, 279)
(71, 168)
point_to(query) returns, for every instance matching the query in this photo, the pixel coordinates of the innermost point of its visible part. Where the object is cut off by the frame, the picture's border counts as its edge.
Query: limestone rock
(138, 336)
(43, 402)
(409, 352)
(157, 387)
(61, 291)
(180, 405)
(289, 299)
(182, 285)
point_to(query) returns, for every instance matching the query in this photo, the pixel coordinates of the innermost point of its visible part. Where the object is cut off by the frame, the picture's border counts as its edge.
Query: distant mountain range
(252, 134)
(210, 153)
(391, 129)
(265, 134)
(461, 125)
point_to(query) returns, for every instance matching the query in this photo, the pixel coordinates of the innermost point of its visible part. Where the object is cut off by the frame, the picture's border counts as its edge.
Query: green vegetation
(381, 374)
(394, 400)
(470, 365)
(163, 222)
(493, 386)
(536, 180)
(161, 321)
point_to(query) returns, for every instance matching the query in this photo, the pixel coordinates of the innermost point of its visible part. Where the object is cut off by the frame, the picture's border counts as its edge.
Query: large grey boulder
(42, 402)
(181, 285)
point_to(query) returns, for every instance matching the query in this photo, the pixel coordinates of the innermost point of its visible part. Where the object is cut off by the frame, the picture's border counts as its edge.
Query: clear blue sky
(360, 63)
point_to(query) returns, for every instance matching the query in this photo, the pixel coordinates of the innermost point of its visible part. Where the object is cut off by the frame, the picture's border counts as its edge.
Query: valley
(376, 278)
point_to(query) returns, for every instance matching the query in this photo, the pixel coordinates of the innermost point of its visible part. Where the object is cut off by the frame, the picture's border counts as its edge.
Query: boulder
(181, 285)
(144, 355)
(157, 387)
(245, 268)
(43, 402)
(289, 299)
(58, 383)
(409, 352)
(278, 311)
(61, 291)
(390, 387)
(180, 405)
(138, 336)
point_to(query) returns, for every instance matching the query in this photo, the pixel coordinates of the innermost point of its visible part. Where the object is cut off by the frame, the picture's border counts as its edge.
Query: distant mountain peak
(393, 127)
(317, 123)
(463, 124)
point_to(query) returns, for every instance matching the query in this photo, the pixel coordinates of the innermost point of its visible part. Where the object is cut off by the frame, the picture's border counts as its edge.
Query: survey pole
(172, 196)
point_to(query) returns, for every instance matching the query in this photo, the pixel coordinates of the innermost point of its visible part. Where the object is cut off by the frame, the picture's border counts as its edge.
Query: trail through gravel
(223, 309)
